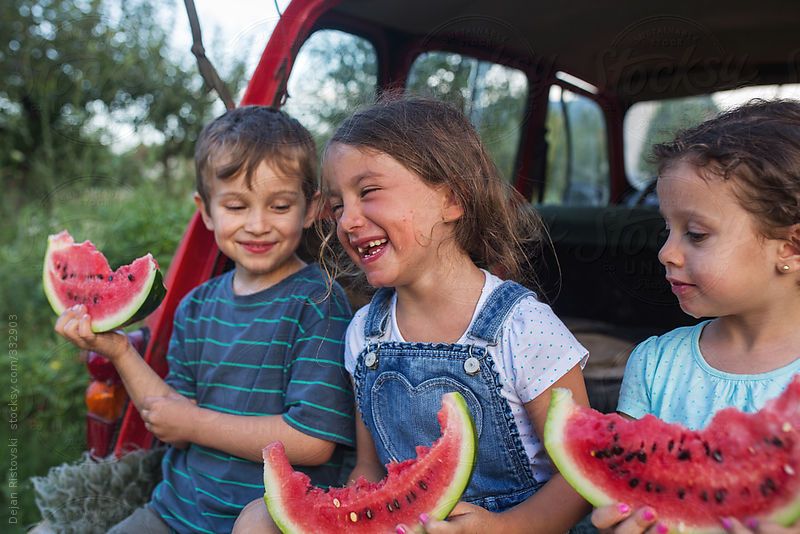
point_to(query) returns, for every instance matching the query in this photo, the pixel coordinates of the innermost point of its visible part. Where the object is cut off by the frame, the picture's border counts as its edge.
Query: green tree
(78, 77)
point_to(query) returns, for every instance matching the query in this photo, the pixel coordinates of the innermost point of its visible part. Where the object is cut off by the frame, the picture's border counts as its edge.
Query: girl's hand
(169, 418)
(620, 519)
(75, 325)
(752, 525)
(465, 518)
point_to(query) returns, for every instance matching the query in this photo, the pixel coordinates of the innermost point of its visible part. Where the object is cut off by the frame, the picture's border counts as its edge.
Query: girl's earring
(785, 267)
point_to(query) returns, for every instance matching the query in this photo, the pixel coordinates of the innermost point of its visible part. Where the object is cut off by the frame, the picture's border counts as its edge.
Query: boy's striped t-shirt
(275, 352)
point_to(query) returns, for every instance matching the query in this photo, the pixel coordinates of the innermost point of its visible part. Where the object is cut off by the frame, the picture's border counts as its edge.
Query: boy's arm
(139, 379)
(240, 435)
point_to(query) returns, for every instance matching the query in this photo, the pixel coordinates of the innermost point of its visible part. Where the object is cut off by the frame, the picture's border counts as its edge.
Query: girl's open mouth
(371, 249)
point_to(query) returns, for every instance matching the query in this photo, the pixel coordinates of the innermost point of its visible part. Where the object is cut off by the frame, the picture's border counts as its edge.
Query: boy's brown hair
(242, 138)
(757, 147)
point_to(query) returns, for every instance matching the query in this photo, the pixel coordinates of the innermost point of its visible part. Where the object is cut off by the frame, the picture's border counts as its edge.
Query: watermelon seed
(94, 299)
(670, 445)
(336, 503)
(396, 504)
(707, 448)
(353, 517)
(719, 495)
(767, 487)
(613, 466)
(64, 276)
(641, 456)
(389, 507)
(684, 455)
(648, 487)
(653, 448)
(717, 455)
(611, 426)
(110, 277)
(633, 482)
(368, 513)
(777, 442)
(659, 488)
(410, 496)
(616, 450)
(422, 485)
(616, 437)
(788, 470)
(99, 276)
(130, 277)
(704, 496)
(681, 493)
(630, 456)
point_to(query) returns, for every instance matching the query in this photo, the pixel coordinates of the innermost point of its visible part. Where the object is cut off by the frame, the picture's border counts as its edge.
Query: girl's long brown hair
(499, 230)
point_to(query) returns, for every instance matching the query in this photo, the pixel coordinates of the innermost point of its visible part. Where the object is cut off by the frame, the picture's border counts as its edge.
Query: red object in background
(106, 398)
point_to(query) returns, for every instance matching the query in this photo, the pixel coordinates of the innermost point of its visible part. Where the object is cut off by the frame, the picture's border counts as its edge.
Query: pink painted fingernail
(401, 530)
(424, 518)
(727, 524)
(661, 528)
(648, 514)
(751, 523)
(623, 508)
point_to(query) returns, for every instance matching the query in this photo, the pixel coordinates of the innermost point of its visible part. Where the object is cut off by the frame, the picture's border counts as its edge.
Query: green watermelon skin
(431, 483)
(78, 273)
(741, 465)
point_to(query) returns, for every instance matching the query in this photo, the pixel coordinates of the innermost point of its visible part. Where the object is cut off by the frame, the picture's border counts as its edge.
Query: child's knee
(254, 518)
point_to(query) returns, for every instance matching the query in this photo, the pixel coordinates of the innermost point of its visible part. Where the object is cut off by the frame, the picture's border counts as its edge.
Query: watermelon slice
(80, 274)
(741, 465)
(431, 483)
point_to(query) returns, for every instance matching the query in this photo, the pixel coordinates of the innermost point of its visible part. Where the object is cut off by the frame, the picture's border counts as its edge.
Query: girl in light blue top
(729, 191)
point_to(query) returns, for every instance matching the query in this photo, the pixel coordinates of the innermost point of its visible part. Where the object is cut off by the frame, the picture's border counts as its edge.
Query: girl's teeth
(371, 244)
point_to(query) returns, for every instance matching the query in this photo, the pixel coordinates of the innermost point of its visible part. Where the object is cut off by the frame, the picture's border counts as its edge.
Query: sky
(231, 28)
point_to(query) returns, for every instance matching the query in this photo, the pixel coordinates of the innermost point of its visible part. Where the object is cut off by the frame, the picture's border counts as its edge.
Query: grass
(42, 377)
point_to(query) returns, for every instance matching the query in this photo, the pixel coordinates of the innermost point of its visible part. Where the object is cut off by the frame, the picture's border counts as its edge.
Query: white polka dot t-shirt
(534, 351)
(668, 377)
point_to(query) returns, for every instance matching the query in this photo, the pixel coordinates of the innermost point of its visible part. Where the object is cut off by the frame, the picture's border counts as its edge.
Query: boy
(256, 353)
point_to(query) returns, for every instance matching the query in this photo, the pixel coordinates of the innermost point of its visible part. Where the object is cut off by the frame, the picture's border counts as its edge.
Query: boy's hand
(75, 325)
(465, 518)
(169, 418)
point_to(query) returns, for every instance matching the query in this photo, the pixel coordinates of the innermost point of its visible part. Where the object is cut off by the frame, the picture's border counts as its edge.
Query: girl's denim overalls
(399, 388)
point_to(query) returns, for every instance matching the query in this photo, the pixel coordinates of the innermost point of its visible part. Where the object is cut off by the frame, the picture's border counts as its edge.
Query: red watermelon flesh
(431, 483)
(78, 273)
(741, 465)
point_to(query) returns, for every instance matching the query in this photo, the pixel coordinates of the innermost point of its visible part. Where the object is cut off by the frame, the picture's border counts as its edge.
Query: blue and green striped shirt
(278, 351)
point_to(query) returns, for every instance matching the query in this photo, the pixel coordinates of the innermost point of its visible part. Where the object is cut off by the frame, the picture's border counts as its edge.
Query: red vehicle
(568, 96)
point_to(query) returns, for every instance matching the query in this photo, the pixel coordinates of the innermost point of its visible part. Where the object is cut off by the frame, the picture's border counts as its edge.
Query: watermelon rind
(467, 450)
(140, 306)
(458, 417)
(561, 407)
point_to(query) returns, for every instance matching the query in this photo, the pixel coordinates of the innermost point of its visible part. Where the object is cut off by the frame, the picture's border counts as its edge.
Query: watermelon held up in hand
(78, 273)
(431, 483)
(741, 465)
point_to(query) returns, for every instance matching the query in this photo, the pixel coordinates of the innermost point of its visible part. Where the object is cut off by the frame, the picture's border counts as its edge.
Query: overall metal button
(371, 360)
(472, 365)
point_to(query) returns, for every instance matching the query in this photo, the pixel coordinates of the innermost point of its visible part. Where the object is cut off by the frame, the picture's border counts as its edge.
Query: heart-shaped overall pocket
(405, 415)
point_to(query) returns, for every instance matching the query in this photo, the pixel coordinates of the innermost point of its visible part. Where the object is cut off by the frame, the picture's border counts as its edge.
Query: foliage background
(97, 128)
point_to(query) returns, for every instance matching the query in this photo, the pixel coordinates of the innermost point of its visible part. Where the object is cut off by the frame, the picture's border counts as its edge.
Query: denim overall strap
(399, 386)
(494, 312)
(378, 312)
